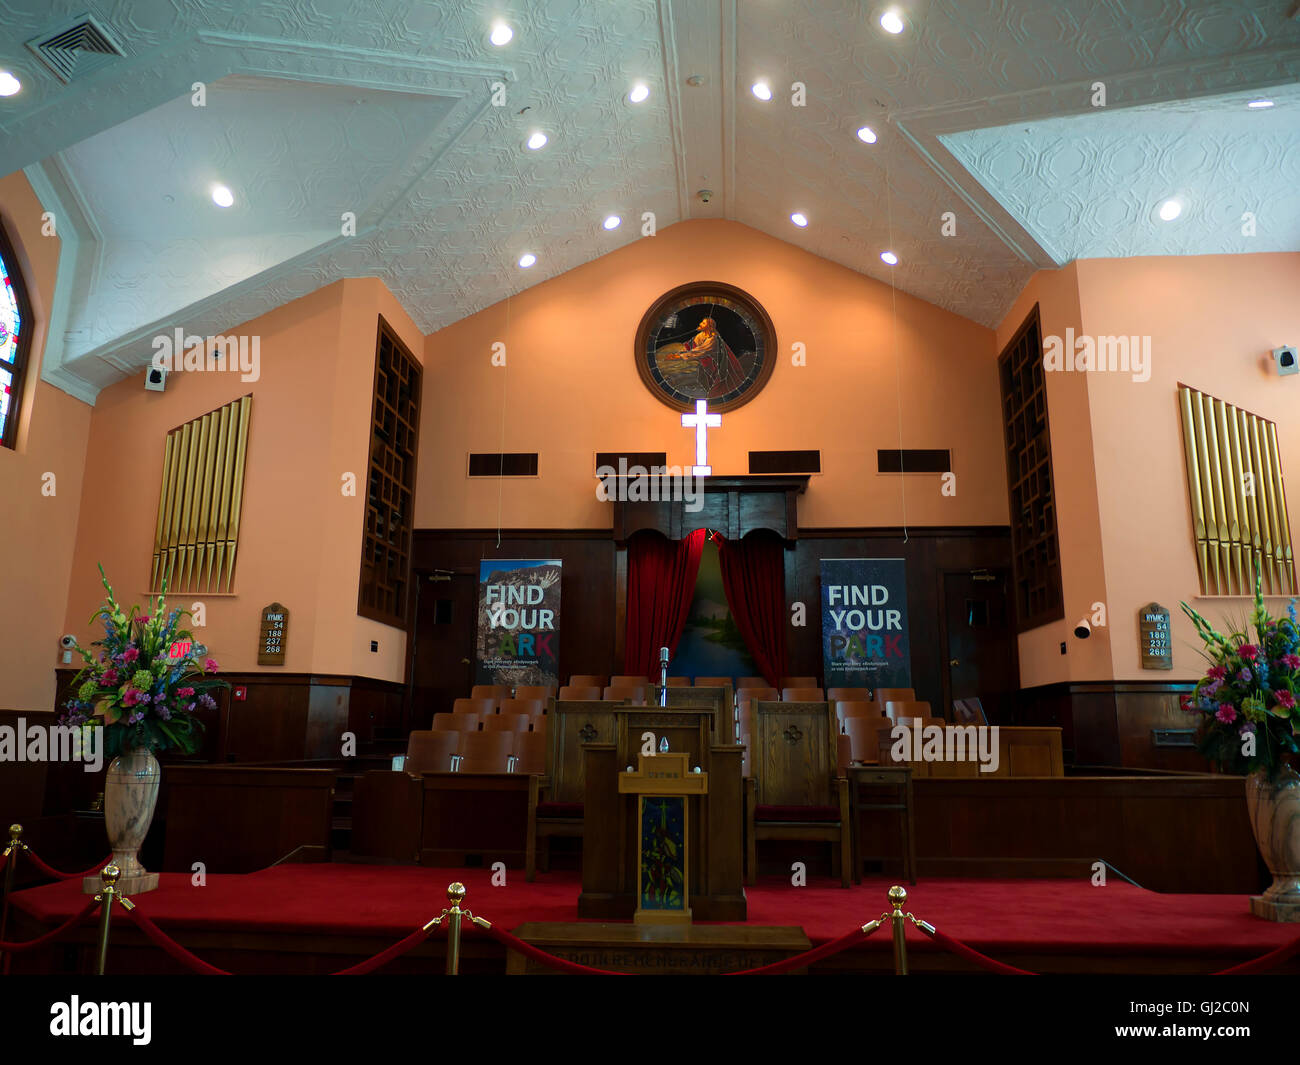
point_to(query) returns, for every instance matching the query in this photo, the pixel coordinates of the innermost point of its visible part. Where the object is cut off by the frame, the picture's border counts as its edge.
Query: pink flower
(109, 678)
(1284, 698)
(210, 665)
(130, 697)
(1217, 672)
(1290, 661)
(1227, 713)
(185, 692)
(1248, 651)
(130, 654)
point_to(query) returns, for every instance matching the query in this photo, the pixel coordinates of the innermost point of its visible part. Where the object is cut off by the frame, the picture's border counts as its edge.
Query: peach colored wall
(570, 388)
(1213, 320)
(300, 536)
(39, 529)
(1075, 487)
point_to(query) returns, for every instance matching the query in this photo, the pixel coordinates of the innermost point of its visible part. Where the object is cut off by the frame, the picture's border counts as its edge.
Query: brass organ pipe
(1241, 548)
(1262, 503)
(237, 490)
(1274, 519)
(1216, 482)
(1284, 522)
(1231, 525)
(158, 544)
(1194, 484)
(1207, 496)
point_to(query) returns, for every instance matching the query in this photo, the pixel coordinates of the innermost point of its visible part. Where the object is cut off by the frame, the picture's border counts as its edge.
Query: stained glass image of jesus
(704, 354)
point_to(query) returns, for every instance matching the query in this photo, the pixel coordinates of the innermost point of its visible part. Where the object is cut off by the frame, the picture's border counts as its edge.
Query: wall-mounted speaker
(1285, 359)
(155, 379)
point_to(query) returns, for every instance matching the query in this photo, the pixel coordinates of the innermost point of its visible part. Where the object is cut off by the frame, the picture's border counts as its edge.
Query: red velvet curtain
(753, 576)
(660, 586)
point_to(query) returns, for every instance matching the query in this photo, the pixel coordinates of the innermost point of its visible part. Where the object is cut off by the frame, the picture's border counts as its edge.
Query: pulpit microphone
(663, 676)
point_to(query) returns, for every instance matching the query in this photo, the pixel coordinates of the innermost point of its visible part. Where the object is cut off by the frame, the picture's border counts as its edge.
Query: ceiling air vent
(76, 49)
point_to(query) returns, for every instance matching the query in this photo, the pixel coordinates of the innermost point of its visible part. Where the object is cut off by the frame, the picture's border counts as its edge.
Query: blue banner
(864, 623)
(518, 622)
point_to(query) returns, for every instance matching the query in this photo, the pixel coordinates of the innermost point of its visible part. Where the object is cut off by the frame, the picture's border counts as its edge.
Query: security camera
(67, 642)
(1285, 358)
(1083, 630)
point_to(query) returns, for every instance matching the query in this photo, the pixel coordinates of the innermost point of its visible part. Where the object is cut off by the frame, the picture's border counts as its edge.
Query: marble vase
(130, 794)
(1274, 808)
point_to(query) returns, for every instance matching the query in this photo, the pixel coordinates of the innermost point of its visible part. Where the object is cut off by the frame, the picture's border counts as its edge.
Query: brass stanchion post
(897, 897)
(11, 852)
(455, 895)
(108, 877)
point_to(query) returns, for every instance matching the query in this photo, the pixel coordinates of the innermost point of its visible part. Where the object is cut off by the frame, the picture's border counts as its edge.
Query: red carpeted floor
(993, 916)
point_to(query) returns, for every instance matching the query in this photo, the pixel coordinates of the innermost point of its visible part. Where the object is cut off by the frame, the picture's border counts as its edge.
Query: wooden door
(981, 642)
(442, 647)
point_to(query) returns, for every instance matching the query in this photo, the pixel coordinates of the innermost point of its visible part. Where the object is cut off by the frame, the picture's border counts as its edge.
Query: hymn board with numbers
(1153, 637)
(272, 635)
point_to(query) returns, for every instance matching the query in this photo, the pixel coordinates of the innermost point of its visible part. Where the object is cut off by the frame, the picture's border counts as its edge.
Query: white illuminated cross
(701, 421)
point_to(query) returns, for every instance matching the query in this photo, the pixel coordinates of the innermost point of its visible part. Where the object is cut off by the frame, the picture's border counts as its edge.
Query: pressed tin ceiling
(383, 109)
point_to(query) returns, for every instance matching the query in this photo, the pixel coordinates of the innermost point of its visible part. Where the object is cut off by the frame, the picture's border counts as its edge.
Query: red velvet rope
(982, 960)
(67, 926)
(845, 942)
(1265, 962)
(549, 960)
(163, 940)
(395, 951)
(49, 870)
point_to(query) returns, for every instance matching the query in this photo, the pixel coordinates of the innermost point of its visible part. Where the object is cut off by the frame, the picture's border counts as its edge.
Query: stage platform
(323, 917)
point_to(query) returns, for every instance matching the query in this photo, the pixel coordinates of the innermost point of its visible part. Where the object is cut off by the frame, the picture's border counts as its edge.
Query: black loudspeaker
(1285, 359)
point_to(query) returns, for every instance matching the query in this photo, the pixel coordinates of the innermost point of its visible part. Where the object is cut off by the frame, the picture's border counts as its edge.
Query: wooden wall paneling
(386, 812)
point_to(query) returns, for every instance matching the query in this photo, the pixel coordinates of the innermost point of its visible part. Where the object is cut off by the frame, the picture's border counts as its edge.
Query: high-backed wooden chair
(486, 752)
(906, 709)
(794, 694)
(490, 691)
(535, 691)
(628, 693)
(480, 707)
(712, 682)
(507, 723)
(798, 682)
(430, 751)
(463, 722)
(580, 692)
(529, 707)
(863, 734)
(530, 752)
(836, 695)
(588, 680)
(795, 790)
(901, 695)
(850, 708)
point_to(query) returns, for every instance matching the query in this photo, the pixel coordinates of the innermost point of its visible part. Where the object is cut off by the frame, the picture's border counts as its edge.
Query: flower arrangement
(144, 684)
(1248, 696)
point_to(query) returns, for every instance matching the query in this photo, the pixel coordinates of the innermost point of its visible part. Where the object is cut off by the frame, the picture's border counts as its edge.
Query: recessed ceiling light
(889, 257)
(501, 33)
(640, 92)
(612, 222)
(537, 140)
(1260, 105)
(527, 259)
(762, 90)
(222, 196)
(1170, 209)
(867, 135)
(8, 83)
(891, 21)
(799, 219)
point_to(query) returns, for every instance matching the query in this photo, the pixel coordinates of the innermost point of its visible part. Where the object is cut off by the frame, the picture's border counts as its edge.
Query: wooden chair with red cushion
(795, 790)
(486, 752)
(794, 694)
(430, 751)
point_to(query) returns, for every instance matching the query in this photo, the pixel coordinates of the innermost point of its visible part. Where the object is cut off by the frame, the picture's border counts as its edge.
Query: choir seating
(490, 691)
(851, 708)
(884, 695)
(679, 682)
(968, 712)
(508, 723)
(798, 682)
(486, 752)
(906, 710)
(544, 692)
(588, 680)
(479, 706)
(863, 734)
(751, 682)
(430, 751)
(634, 694)
(530, 753)
(462, 722)
(531, 707)
(801, 694)
(795, 790)
(749, 695)
(580, 692)
(629, 682)
(837, 694)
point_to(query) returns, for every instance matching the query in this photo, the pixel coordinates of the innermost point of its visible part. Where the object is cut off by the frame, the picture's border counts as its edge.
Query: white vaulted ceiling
(384, 108)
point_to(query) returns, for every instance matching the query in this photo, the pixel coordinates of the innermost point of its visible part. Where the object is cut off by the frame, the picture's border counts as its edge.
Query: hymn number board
(1153, 637)
(272, 635)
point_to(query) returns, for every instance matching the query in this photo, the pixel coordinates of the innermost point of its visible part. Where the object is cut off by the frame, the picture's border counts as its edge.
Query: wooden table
(899, 777)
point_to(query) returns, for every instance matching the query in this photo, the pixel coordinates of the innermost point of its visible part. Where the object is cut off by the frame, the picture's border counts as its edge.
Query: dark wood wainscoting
(1132, 724)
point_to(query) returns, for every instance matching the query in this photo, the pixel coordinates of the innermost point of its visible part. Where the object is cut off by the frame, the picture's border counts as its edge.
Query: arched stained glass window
(15, 337)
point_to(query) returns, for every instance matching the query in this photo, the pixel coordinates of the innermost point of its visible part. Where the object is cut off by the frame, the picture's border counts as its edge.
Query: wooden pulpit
(711, 823)
(663, 785)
